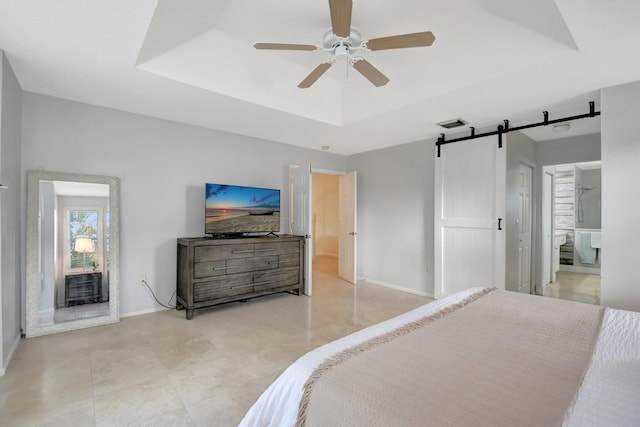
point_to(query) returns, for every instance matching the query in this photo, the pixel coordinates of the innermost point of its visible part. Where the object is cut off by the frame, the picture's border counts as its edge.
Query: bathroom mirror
(72, 257)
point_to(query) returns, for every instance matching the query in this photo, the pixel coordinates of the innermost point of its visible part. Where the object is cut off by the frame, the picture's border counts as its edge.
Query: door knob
(353, 233)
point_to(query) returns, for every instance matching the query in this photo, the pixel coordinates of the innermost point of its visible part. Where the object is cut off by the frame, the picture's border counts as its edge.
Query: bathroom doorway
(572, 249)
(333, 226)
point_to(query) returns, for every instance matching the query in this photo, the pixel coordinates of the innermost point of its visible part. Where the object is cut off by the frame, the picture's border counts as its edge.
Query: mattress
(609, 394)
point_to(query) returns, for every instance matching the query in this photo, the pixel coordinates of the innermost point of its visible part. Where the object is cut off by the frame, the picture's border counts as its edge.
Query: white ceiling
(193, 61)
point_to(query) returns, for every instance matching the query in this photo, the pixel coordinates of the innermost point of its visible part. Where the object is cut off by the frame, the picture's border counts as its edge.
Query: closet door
(469, 215)
(347, 240)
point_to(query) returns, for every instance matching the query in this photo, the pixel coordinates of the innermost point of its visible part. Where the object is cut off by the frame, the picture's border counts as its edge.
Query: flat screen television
(234, 210)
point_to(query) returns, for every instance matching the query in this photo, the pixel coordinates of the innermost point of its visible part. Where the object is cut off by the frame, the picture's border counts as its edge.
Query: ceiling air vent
(450, 124)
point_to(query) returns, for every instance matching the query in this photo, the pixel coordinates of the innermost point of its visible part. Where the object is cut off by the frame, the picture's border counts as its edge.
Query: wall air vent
(450, 124)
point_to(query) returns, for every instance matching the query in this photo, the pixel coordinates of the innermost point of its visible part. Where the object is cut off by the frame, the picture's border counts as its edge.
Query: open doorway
(572, 248)
(325, 225)
(302, 223)
(334, 224)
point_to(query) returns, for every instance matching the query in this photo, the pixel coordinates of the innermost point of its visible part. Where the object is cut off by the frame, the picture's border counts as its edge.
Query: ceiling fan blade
(285, 46)
(315, 75)
(370, 72)
(402, 41)
(341, 17)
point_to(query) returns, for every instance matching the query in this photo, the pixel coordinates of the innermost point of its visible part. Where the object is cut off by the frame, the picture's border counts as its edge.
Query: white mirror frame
(33, 326)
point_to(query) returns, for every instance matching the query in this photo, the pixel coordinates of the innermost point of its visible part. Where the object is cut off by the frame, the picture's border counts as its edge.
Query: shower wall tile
(565, 214)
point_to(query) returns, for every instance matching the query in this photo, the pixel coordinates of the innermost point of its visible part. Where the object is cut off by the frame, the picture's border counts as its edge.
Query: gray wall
(163, 167)
(520, 150)
(395, 215)
(10, 136)
(620, 196)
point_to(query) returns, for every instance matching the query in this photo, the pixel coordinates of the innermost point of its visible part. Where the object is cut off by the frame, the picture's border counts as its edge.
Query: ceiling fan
(342, 40)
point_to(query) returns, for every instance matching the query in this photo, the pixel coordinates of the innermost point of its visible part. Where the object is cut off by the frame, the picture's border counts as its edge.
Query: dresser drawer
(81, 292)
(282, 277)
(289, 260)
(210, 269)
(233, 266)
(277, 248)
(219, 287)
(221, 252)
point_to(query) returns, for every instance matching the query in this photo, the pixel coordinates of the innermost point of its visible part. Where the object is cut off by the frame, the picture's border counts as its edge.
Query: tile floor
(575, 287)
(161, 370)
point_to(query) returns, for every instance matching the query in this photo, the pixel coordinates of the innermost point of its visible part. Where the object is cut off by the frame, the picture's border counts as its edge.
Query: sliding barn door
(469, 216)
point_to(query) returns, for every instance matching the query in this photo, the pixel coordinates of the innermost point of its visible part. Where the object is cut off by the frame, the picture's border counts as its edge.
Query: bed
(518, 360)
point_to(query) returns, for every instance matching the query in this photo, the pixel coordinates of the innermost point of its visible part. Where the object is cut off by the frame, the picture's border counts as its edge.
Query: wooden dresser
(215, 271)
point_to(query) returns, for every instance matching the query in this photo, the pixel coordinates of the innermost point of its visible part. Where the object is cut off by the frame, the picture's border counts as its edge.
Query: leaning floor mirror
(72, 269)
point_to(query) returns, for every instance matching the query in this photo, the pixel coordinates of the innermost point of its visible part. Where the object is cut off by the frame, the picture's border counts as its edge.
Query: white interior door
(525, 178)
(347, 193)
(301, 217)
(547, 230)
(469, 216)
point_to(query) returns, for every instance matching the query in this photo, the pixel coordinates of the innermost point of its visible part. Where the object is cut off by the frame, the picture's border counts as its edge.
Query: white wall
(395, 215)
(10, 249)
(325, 214)
(163, 167)
(620, 196)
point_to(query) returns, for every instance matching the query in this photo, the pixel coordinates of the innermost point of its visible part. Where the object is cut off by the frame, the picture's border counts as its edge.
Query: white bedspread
(610, 394)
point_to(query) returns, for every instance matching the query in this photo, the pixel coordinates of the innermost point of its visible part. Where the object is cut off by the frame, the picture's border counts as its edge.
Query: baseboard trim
(139, 312)
(396, 287)
(14, 347)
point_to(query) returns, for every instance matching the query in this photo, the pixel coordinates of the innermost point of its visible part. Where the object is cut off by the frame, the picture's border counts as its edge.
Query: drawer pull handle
(254, 284)
(242, 286)
(223, 268)
(248, 251)
(264, 283)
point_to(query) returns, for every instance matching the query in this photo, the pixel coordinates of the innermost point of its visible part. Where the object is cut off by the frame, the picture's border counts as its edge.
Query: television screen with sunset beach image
(234, 209)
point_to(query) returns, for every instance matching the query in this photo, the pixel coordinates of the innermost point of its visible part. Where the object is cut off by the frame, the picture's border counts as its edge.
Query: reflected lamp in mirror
(83, 245)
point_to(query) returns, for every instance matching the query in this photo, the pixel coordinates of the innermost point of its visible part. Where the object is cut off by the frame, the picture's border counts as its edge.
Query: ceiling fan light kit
(342, 40)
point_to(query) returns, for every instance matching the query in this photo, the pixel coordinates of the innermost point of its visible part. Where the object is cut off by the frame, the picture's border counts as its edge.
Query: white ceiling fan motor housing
(331, 42)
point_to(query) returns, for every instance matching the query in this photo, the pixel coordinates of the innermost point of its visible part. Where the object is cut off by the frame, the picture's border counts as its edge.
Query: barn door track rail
(505, 128)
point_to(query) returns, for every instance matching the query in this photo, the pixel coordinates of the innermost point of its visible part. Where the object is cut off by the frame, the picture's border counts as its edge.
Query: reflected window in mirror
(83, 239)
